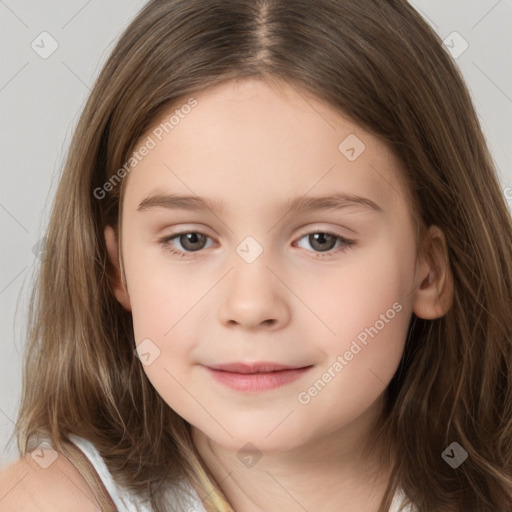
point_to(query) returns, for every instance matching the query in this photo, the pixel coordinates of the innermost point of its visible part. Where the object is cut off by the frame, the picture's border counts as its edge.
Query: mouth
(245, 368)
(256, 377)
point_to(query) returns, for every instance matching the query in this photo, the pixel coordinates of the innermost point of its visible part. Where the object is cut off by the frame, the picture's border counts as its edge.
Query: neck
(328, 472)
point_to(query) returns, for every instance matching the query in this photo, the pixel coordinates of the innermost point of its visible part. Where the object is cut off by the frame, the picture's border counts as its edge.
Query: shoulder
(52, 485)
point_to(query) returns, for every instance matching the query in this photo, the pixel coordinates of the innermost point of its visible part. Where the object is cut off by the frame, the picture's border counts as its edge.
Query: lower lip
(257, 381)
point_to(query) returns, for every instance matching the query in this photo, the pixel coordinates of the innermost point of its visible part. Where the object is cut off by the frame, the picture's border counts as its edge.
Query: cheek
(167, 310)
(162, 294)
(163, 314)
(354, 294)
(368, 309)
(366, 305)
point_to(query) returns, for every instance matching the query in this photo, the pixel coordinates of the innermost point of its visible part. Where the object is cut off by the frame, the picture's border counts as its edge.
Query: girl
(278, 271)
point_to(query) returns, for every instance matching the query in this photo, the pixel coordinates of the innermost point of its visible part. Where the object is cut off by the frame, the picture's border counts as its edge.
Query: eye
(321, 241)
(191, 241)
(324, 242)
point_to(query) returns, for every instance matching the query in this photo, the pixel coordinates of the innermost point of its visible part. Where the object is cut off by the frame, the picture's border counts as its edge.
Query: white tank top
(126, 501)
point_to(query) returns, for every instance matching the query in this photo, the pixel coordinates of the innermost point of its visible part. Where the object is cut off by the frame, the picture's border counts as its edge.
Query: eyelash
(167, 246)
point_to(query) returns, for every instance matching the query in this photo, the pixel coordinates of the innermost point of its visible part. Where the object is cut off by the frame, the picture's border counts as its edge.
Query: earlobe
(433, 296)
(118, 287)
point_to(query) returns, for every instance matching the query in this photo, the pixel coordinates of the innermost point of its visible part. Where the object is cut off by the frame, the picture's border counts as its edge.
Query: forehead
(251, 141)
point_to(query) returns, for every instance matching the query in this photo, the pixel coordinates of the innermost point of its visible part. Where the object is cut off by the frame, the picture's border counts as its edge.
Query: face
(328, 286)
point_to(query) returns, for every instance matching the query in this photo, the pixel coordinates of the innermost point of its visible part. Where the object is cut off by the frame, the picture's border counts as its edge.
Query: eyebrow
(305, 204)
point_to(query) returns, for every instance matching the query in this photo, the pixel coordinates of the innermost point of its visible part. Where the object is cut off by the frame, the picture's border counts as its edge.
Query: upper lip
(262, 367)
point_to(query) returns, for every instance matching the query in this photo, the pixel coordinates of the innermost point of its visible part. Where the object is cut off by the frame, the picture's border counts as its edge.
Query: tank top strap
(121, 499)
(84, 466)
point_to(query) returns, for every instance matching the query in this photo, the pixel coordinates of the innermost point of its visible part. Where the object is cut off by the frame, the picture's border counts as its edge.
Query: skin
(253, 146)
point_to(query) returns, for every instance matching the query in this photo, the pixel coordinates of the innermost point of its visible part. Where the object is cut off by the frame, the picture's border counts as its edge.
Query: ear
(119, 288)
(433, 295)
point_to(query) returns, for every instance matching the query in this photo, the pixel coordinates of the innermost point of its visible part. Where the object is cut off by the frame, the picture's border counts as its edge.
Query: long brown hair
(379, 64)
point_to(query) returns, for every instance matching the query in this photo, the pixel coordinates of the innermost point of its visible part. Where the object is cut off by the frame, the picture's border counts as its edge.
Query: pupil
(190, 239)
(321, 237)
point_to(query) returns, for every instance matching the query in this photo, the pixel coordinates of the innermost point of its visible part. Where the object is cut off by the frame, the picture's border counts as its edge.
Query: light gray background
(41, 99)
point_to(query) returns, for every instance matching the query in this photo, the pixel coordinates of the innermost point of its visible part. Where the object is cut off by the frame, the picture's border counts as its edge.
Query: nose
(253, 297)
